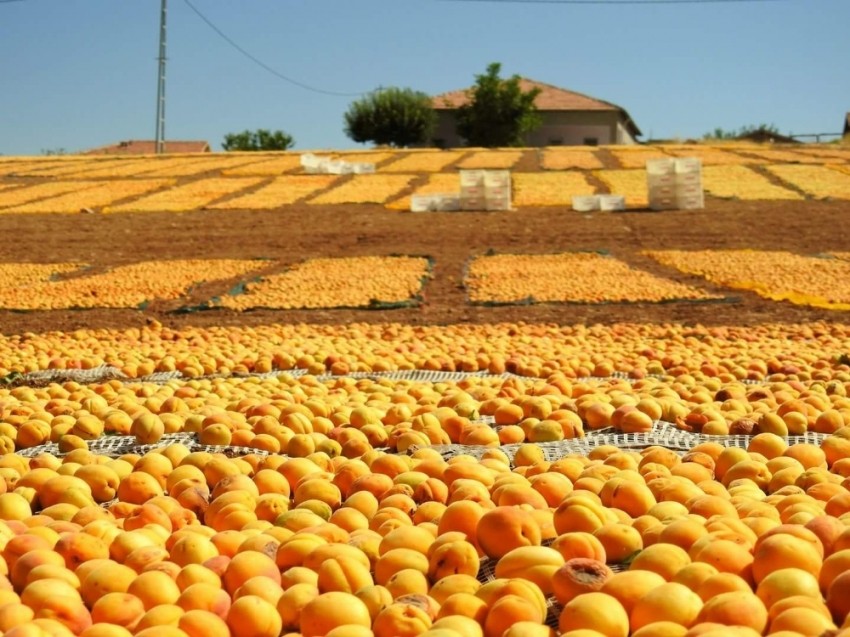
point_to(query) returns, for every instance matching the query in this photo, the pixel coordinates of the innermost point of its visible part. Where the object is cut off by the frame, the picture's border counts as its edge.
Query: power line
(259, 62)
(613, 2)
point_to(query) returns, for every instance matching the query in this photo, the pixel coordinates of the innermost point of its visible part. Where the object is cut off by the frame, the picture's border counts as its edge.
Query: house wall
(566, 128)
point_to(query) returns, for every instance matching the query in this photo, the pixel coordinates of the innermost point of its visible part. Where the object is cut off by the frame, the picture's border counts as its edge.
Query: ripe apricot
(595, 611)
(668, 602)
(506, 528)
(578, 576)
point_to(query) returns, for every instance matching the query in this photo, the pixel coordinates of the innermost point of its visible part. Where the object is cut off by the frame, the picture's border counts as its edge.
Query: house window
(591, 141)
(556, 141)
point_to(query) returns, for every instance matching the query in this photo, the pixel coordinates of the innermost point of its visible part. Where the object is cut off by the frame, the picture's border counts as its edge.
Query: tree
(720, 133)
(260, 139)
(393, 116)
(498, 112)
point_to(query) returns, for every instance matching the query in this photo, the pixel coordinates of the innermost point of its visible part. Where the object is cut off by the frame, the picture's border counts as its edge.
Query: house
(145, 147)
(569, 118)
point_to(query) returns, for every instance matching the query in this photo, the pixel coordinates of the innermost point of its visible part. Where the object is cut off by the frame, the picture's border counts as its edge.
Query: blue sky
(75, 74)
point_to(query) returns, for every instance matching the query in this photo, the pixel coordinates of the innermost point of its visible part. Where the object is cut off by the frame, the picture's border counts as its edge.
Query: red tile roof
(145, 147)
(550, 98)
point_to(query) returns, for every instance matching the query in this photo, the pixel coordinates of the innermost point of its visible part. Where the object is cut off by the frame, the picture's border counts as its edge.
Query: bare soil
(299, 232)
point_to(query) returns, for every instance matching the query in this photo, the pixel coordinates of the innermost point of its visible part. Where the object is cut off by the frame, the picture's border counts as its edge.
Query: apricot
(627, 587)
(784, 551)
(578, 576)
(121, 609)
(202, 596)
(721, 583)
(787, 582)
(408, 582)
(153, 588)
(805, 621)
(726, 556)
(459, 557)
(460, 625)
(838, 597)
(665, 559)
(620, 541)
(506, 528)
(797, 601)
(668, 602)
(325, 612)
(661, 629)
(343, 574)
(832, 567)
(694, 574)
(736, 608)
(534, 563)
(579, 544)
(246, 565)
(595, 611)
(253, 616)
(109, 577)
(507, 611)
(202, 623)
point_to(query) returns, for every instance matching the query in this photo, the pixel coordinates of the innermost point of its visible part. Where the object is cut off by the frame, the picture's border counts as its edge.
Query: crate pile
(485, 190)
(675, 184)
(315, 165)
(479, 190)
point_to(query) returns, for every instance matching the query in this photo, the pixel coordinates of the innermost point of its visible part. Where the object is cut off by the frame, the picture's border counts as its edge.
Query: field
(238, 399)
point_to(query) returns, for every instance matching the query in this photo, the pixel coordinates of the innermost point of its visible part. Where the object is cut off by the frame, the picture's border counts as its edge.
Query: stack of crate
(661, 182)
(485, 190)
(497, 189)
(689, 192)
(675, 184)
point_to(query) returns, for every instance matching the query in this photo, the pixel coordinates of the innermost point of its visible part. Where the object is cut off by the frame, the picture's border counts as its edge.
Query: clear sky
(76, 74)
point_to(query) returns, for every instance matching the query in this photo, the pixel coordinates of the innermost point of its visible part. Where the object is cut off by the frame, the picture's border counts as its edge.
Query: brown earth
(298, 232)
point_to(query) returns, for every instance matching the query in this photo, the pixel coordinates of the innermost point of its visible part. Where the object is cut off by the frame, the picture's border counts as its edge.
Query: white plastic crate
(497, 203)
(610, 203)
(684, 179)
(661, 166)
(435, 203)
(309, 160)
(663, 203)
(473, 178)
(691, 202)
(656, 192)
(497, 192)
(497, 179)
(688, 190)
(688, 165)
(472, 203)
(585, 203)
(655, 181)
(362, 168)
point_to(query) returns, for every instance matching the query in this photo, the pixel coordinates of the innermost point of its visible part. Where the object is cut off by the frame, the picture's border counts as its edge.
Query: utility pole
(160, 84)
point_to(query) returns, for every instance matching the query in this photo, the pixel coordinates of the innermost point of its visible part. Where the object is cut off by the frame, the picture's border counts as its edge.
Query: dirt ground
(451, 239)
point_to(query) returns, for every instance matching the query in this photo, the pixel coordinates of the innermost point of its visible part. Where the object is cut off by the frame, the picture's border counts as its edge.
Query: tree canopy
(392, 116)
(260, 139)
(499, 112)
(721, 133)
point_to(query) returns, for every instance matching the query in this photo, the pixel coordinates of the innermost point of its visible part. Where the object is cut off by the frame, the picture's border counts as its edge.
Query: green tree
(721, 133)
(260, 139)
(393, 116)
(499, 112)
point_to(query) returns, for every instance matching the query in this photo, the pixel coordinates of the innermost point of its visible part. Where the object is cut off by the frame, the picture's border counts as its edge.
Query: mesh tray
(116, 446)
(663, 434)
(42, 378)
